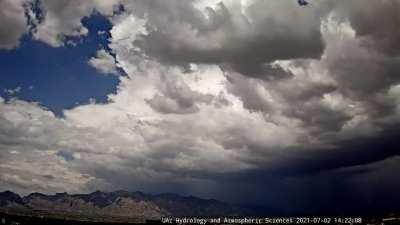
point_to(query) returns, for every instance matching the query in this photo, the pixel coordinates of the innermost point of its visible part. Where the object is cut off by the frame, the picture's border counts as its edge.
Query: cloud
(13, 91)
(374, 23)
(247, 36)
(63, 19)
(177, 97)
(13, 23)
(28, 151)
(103, 62)
(52, 22)
(219, 95)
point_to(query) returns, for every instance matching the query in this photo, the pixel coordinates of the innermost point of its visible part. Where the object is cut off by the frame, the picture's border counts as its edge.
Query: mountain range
(118, 206)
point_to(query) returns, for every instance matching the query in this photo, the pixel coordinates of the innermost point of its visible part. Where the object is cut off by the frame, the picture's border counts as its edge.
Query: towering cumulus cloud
(295, 107)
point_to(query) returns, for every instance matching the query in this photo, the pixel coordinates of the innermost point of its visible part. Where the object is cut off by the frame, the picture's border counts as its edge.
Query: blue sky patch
(58, 78)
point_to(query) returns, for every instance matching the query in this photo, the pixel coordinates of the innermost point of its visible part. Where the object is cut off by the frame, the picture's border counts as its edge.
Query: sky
(246, 101)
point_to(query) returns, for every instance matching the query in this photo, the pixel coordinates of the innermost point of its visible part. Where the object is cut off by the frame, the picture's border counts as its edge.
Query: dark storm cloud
(323, 118)
(354, 178)
(376, 23)
(246, 37)
(361, 74)
(301, 100)
(361, 190)
(295, 163)
(350, 153)
(366, 72)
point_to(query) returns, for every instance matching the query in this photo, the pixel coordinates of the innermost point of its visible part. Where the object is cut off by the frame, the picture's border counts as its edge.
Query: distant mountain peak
(8, 197)
(118, 204)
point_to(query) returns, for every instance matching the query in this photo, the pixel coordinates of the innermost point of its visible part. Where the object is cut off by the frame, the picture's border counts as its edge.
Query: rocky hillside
(115, 206)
